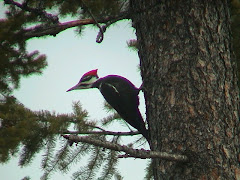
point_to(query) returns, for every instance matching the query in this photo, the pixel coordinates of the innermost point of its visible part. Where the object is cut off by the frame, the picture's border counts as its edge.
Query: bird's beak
(74, 87)
(80, 85)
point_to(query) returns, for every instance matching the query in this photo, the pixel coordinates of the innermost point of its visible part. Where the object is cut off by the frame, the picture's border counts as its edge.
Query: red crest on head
(91, 73)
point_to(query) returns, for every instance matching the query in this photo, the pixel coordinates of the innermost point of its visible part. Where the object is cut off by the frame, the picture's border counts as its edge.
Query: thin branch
(136, 153)
(97, 127)
(37, 11)
(103, 133)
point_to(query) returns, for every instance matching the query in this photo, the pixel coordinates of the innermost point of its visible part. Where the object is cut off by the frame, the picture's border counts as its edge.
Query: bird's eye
(85, 78)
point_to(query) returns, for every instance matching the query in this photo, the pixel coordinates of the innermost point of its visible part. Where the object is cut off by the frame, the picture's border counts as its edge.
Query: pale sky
(69, 57)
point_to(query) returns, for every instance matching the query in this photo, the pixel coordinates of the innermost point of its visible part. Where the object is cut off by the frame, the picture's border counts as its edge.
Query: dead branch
(130, 152)
(103, 133)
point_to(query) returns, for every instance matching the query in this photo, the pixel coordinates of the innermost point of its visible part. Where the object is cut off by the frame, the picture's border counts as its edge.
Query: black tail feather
(140, 126)
(145, 134)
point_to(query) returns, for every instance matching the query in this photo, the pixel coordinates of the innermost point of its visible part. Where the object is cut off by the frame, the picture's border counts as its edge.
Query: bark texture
(190, 86)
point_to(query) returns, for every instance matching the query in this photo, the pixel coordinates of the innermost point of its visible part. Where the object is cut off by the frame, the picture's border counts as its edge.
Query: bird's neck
(96, 84)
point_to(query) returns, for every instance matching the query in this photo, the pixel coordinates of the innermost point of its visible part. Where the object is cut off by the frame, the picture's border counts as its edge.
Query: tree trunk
(190, 86)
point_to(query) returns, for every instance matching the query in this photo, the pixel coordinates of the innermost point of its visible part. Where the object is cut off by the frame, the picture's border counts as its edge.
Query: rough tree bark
(190, 86)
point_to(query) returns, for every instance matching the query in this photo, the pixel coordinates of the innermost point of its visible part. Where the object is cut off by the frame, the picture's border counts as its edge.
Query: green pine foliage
(28, 133)
(111, 160)
(15, 61)
(21, 127)
(100, 159)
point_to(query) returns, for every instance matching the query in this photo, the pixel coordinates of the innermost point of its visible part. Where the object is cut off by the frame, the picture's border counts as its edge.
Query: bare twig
(96, 127)
(103, 133)
(130, 152)
(100, 35)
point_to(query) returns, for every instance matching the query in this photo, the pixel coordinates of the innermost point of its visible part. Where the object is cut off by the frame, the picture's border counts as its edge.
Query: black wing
(122, 95)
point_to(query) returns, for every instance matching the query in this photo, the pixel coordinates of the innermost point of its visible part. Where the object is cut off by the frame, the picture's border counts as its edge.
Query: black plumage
(122, 95)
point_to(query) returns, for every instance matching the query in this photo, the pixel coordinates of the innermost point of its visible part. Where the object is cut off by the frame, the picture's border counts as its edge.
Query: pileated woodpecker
(120, 93)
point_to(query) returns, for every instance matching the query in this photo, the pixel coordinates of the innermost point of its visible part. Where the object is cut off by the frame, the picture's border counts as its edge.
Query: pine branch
(60, 155)
(130, 152)
(54, 29)
(73, 157)
(104, 132)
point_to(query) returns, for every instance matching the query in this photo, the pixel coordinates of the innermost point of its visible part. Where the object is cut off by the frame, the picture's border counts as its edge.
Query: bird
(120, 93)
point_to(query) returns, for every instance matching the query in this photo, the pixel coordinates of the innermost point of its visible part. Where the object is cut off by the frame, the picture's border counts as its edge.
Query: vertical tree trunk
(190, 86)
